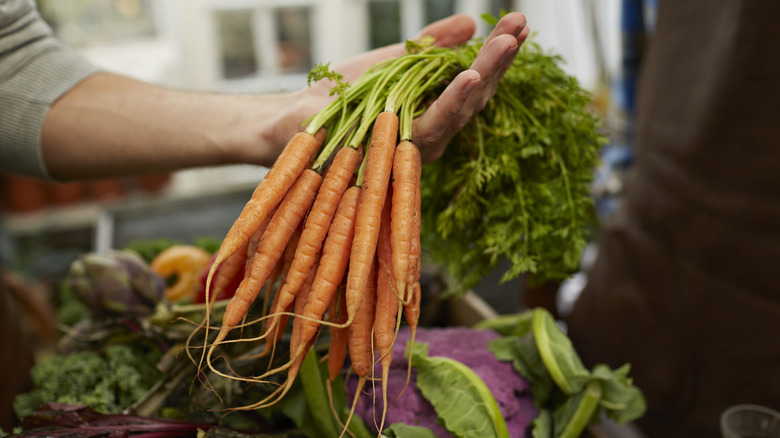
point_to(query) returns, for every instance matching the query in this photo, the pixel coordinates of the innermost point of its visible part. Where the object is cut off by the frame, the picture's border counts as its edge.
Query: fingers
(450, 31)
(512, 23)
(436, 127)
(468, 93)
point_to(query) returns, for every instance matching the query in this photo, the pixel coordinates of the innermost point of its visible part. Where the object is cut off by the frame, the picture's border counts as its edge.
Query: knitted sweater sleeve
(35, 70)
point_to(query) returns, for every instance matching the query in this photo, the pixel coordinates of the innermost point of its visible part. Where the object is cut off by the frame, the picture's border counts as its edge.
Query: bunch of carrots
(332, 233)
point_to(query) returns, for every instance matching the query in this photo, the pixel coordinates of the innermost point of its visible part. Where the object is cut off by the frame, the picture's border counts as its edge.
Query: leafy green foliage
(106, 382)
(569, 396)
(454, 389)
(515, 182)
(401, 430)
(323, 71)
(513, 185)
(307, 403)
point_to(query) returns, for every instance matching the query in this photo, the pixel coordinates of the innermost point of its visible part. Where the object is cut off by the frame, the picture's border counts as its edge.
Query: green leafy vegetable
(578, 412)
(454, 390)
(559, 356)
(568, 395)
(308, 406)
(106, 382)
(401, 430)
(514, 184)
(621, 400)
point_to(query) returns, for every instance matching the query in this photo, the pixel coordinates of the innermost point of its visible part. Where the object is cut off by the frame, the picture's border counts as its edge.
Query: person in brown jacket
(686, 286)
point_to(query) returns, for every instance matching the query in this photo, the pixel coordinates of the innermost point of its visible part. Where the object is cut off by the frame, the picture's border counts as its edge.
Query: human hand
(470, 90)
(464, 96)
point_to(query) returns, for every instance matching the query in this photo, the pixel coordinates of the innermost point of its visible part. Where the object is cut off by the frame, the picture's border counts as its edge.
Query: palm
(465, 95)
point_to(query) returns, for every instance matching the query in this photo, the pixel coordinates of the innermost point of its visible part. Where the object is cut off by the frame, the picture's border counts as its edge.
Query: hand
(466, 95)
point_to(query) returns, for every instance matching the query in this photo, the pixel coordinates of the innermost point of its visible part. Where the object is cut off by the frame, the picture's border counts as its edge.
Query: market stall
(328, 307)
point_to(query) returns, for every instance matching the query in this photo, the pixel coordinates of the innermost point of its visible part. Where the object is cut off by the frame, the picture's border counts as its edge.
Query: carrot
(281, 270)
(379, 163)
(295, 342)
(337, 352)
(297, 154)
(333, 263)
(300, 302)
(251, 247)
(282, 226)
(412, 309)
(387, 303)
(316, 228)
(359, 339)
(406, 178)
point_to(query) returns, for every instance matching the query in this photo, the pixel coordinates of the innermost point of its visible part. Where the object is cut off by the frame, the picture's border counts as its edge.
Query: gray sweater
(35, 70)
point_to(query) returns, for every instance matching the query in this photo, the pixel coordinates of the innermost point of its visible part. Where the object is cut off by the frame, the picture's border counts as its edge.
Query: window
(293, 39)
(438, 9)
(496, 6)
(82, 22)
(236, 43)
(264, 47)
(385, 22)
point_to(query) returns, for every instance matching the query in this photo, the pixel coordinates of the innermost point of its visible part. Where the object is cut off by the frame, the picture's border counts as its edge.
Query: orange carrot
(316, 228)
(301, 298)
(412, 309)
(297, 154)
(251, 247)
(333, 263)
(226, 272)
(379, 163)
(295, 342)
(280, 271)
(406, 179)
(388, 303)
(282, 226)
(359, 339)
(337, 352)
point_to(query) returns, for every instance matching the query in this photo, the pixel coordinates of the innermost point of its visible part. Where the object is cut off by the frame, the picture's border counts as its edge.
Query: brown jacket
(687, 284)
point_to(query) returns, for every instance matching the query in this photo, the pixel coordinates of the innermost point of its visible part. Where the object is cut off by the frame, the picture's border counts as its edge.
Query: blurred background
(268, 46)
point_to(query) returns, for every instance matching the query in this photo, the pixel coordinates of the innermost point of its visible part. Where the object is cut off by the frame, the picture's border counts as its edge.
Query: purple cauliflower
(466, 345)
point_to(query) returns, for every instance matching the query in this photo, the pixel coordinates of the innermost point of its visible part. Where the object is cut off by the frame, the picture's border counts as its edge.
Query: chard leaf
(571, 418)
(541, 426)
(308, 406)
(622, 401)
(401, 430)
(524, 355)
(562, 361)
(461, 399)
(517, 324)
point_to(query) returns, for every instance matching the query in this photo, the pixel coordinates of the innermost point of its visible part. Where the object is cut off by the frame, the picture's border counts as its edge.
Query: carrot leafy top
(513, 185)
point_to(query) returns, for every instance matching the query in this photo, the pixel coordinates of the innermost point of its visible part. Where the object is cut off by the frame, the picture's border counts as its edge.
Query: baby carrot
(387, 302)
(412, 309)
(359, 339)
(282, 226)
(406, 179)
(379, 163)
(334, 185)
(338, 335)
(297, 154)
(333, 263)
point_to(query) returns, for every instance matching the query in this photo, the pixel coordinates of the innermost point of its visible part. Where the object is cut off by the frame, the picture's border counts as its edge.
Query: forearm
(111, 125)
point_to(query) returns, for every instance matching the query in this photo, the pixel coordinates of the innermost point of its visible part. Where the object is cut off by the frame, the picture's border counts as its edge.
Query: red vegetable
(229, 290)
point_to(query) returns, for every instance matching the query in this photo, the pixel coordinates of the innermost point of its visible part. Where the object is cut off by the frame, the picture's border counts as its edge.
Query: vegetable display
(515, 375)
(345, 211)
(335, 237)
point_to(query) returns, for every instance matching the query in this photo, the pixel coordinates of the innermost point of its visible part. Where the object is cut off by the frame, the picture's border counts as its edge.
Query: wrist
(267, 123)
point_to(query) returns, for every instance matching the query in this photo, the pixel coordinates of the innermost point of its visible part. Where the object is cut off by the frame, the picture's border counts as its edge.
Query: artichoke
(115, 283)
